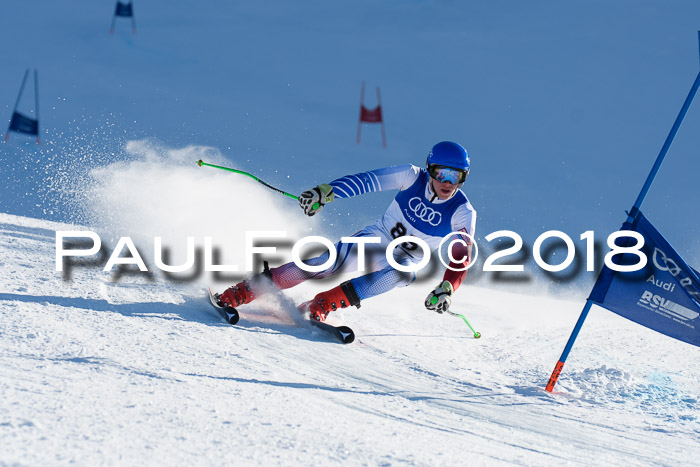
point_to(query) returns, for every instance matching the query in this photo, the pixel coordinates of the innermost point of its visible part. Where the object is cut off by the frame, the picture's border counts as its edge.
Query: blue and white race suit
(415, 211)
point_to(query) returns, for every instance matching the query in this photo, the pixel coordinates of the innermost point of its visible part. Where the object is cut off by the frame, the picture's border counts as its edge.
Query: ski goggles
(447, 174)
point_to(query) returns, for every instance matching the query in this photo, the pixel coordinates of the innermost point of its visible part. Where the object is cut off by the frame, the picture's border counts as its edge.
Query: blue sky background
(563, 106)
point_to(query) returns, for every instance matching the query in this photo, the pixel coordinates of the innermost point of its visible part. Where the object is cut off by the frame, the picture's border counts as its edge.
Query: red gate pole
(381, 116)
(359, 119)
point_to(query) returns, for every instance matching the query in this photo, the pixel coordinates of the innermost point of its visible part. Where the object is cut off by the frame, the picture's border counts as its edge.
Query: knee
(404, 278)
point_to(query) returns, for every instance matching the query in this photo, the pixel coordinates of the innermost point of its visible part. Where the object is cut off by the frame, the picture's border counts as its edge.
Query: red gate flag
(370, 115)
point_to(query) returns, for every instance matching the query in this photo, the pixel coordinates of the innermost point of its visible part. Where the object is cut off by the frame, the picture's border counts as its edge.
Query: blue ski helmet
(448, 155)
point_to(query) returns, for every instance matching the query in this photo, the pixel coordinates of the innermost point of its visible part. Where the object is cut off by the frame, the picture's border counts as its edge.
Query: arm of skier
(464, 220)
(397, 177)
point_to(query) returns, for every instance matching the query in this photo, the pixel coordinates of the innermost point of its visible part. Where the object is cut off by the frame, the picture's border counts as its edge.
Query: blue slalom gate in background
(123, 10)
(21, 123)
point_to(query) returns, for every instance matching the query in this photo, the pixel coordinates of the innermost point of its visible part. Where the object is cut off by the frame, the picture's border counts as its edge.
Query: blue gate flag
(663, 296)
(24, 124)
(124, 9)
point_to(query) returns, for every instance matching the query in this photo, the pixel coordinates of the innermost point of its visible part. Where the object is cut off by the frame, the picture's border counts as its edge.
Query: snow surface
(102, 372)
(563, 108)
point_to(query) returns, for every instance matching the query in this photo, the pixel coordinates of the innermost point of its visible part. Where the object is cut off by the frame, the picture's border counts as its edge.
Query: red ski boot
(342, 296)
(238, 295)
(246, 291)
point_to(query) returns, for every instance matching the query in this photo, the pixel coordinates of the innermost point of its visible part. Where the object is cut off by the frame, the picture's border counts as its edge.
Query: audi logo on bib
(423, 212)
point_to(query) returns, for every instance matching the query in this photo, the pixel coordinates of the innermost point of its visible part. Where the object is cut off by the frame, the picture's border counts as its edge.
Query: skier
(429, 205)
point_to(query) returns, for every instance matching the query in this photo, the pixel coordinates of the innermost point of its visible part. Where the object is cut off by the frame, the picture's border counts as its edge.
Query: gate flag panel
(124, 10)
(663, 296)
(370, 115)
(21, 123)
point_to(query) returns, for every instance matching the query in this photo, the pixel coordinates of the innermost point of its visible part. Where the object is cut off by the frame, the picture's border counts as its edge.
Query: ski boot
(246, 291)
(341, 296)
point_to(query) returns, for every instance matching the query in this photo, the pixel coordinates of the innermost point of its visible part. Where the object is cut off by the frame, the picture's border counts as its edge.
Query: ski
(229, 313)
(344, 333)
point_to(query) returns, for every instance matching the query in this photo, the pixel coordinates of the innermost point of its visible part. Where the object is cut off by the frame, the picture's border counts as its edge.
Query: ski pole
(477, 335)
(201, 163)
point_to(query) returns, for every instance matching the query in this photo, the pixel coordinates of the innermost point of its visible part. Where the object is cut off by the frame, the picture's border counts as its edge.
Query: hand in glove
(311, 201)
(440, 299)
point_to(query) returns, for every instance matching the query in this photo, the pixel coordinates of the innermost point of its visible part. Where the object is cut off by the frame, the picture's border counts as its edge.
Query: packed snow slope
(563, 108)
(138, 371)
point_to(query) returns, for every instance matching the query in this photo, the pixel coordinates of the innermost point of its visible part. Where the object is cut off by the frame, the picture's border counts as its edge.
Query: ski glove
(440, 299)
(311, 201)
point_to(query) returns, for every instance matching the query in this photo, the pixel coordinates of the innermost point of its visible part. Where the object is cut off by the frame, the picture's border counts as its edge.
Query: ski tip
(343, 333)
(229, 313)
(346, 334)
(234, 317)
